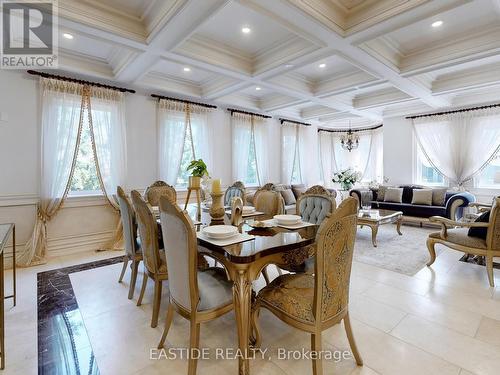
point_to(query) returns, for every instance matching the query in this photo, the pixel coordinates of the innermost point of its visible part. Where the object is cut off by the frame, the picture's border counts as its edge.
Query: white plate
(220, 231)
(287, 219)
(248, 209)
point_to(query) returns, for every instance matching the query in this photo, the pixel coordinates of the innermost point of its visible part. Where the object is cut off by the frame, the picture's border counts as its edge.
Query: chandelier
(349, 141)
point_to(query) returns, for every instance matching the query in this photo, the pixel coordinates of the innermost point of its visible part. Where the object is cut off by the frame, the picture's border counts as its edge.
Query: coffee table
(375, 218)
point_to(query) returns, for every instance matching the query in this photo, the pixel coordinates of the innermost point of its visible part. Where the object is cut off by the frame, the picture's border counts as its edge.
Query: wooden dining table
(244, 263)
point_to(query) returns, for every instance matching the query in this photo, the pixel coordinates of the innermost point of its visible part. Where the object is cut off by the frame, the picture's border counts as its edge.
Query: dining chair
(198, 296)
(459, 238)
(237, 189)
(314, 303)
(269, 202)
(132, 245)
(155, 263)
(156, 190)
(313, 206)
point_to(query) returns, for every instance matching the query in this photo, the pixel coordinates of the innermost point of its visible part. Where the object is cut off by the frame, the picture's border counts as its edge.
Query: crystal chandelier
(349, 141)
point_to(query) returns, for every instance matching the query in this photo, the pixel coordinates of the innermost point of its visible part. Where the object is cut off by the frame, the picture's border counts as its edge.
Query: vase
(346, 186)
(217, 210)
(194, 182)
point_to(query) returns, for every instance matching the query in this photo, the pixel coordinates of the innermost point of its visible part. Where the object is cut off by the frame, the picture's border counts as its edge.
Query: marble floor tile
(489, 331)
(467, 352)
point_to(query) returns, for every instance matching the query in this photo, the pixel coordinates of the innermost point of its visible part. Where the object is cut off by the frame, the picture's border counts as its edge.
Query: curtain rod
(352, 130)
(69, 79)
(455, 111)
(183, 101)
(232, 110)
(282, 120)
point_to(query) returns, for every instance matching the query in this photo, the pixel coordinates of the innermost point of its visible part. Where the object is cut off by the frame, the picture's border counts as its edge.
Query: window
(187, 157)
(85, 180)
(251, 176)
(490, 176)
(425, 173)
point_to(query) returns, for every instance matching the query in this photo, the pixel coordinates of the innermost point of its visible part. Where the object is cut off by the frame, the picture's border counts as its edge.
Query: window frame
(477, 178)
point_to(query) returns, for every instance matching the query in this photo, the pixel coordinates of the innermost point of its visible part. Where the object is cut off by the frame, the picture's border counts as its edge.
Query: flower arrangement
(346, 178)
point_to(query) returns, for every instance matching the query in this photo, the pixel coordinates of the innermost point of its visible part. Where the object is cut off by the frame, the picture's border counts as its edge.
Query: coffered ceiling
(331, 61)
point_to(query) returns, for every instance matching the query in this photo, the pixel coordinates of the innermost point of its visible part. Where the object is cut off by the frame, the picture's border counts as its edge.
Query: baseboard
(68, 245)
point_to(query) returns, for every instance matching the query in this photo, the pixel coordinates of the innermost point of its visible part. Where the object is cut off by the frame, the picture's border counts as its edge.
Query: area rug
(406, 254)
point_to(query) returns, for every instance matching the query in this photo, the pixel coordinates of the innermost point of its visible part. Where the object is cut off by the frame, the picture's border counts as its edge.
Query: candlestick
(216, 186)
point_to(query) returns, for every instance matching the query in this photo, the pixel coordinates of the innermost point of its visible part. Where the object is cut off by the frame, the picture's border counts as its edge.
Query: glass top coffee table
(373, 218)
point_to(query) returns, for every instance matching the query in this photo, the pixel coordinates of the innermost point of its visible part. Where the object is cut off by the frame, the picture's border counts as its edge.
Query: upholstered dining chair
(132, 246)
(199, 296)
(237, 189)
(314, 303)
(155, 264)
(156, 190)
(458, 238)
(269, 202)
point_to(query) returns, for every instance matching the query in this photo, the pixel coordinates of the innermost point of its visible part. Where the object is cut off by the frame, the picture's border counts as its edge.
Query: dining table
(244, 262)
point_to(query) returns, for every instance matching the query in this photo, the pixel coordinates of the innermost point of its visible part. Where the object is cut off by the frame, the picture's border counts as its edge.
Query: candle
(216, 186)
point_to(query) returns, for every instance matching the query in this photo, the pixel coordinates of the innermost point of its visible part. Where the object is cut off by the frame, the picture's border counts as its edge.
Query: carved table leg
(398, 225)
(242, 296)
(374, 228)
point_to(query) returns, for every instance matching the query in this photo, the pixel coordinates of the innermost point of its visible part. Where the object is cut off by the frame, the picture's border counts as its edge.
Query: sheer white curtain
(375, 168)
(241, 128)
(176, 120)
(171, 132)
(289, 154)
(107, 108)
(261, 138)
(61, 106)
(327, 161)
(459, 145)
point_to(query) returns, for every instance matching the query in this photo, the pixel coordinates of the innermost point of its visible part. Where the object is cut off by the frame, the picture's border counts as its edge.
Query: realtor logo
(29, 34)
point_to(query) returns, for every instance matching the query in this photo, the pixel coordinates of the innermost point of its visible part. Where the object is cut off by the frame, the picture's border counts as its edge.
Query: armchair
(458, 239)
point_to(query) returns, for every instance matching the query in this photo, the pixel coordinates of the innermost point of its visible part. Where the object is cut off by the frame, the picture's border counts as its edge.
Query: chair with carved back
(237, 189)
(269, 202)
(158, 189)
(155, 263)
(132, 246)
(316, 302)
(484, 242)
(198, 296)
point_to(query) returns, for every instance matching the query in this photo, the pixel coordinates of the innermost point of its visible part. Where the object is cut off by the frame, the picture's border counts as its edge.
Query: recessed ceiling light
(258, 88)
(245, 30)
(68, 36)
(437, 23)
(186, 69)
(323, 65)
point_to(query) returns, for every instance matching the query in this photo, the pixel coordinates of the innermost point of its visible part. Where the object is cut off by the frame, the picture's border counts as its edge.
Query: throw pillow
(439, 197)
(422, 196)
(480, 232)
(298, 190)
(394, 195)
(288, 196)
(381, 193)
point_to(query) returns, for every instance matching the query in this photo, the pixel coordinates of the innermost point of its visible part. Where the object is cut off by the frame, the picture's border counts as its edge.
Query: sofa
(450, 205)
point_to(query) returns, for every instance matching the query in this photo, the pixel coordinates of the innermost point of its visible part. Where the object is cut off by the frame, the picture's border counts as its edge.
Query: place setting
(223, 235)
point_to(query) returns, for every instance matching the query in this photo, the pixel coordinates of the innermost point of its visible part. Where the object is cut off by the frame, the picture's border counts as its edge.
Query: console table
(6, 230)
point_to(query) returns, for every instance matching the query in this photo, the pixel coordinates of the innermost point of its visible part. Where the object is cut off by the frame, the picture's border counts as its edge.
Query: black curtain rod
(455, 111)
(232, 110)
(183, 101)
(69, 79)
(352, 130)
(282, 120)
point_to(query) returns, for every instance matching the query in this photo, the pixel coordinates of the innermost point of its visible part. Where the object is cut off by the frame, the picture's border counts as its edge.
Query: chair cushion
(460, 236)
(439, 197)
(480, 232)
(291, 294)
(288, 196)
(394, 195)
(422, 196)
(214, 288)
(298, 190)
(314, 209)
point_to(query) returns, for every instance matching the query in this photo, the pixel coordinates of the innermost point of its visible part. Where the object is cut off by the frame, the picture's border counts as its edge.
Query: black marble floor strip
(63, 344)
(477, 259)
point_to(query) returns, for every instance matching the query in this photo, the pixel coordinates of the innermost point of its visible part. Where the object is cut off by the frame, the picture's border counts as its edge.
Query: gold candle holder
(217, 211)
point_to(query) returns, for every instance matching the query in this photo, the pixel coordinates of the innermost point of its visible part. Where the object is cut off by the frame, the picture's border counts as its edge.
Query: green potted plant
(198, 170)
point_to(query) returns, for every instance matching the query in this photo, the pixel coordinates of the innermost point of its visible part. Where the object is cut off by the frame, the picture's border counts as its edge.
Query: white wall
(86, 222)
